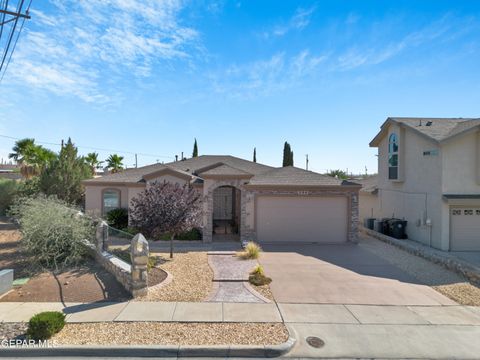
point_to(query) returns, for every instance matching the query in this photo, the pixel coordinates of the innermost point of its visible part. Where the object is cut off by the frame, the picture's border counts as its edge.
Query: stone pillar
(353, 230)
(139, 253)
(101, 236)
(207, 233)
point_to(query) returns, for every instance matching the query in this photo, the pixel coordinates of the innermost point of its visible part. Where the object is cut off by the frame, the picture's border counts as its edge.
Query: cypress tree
(195, 149)
(287, 155)
(255, 154)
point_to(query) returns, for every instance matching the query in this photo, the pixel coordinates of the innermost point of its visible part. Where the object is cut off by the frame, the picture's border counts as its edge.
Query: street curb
(265, 351)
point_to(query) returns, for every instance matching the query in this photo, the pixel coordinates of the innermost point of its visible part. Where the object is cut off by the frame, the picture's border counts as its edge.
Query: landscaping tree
(92, 161)
(164, 208)
(340, 174)
(115, 163)
(64, 176)
(52, 232)
(287, 155)
(32, 158)
(195, 149)
(255, 154)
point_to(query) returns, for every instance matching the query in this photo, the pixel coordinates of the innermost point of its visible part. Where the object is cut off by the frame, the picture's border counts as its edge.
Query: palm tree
(32, 158)
(92, 160)
(114, 163)
(21, 148)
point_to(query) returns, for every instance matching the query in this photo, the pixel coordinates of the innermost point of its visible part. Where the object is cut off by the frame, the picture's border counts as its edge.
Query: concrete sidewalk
(348, 331)
(248, 312)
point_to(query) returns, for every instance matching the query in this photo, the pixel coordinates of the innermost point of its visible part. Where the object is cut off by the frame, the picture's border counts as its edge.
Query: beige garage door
(465, 229)
(301, 219)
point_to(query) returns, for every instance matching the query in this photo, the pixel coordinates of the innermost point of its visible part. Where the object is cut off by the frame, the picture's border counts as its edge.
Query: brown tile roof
(224, 170)
(227, 165)
(369, 184)
(293, 176)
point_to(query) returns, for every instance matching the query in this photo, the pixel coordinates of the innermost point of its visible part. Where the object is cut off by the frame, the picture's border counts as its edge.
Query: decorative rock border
(464, 268)
(264, 351)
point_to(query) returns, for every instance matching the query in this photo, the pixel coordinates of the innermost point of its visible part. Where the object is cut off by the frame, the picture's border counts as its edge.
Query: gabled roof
(436, 129)
(224, 170)
(219, 166)
(293, 176)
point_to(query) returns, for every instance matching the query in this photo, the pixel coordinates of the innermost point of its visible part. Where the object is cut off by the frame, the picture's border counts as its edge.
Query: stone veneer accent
(133, 277)
(247, 233)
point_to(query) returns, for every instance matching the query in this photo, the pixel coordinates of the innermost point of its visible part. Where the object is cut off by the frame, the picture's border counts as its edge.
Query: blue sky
(150, 76)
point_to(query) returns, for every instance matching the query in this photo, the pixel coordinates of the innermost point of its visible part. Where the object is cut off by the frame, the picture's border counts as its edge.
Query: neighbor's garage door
(465, 229)
(301, 219)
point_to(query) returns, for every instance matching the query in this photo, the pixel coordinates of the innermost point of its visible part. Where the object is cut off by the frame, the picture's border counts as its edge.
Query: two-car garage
(296, 218)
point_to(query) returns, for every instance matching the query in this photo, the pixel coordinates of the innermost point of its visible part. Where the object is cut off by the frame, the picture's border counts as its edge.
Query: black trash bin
(397, 228)
(385, 226)
(369, 223)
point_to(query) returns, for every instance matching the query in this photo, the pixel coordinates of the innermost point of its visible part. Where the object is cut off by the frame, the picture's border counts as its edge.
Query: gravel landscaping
(9, 331)
(264, 290)
(441, 279)
(150, 333)
(192, 278)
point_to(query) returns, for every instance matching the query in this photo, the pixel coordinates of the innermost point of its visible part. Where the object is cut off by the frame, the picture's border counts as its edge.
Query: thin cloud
(267, 76)
(300, 20)
(69, 50)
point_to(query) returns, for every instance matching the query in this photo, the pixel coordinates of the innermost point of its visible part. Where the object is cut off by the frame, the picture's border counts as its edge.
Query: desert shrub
(251, 251)
(45, 324)
(118, 218)
(257, 277)
(29, 187)
(53, 233)
(8, 190)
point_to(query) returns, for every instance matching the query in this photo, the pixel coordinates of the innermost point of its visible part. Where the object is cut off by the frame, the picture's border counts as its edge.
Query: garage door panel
(301, 219)
(465, 229)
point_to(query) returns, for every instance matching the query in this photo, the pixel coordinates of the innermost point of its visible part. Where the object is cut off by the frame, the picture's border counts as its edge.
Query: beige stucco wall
(93, 197)
(368, 205)
(418, 195)
(459, 165)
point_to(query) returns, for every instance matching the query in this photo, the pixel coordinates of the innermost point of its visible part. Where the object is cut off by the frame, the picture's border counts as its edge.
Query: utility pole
(306, 161)
(136, 161)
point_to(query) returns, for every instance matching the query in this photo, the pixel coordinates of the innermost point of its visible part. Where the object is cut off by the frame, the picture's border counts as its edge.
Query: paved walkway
(230, 278)
(348, 331)
(248, 312)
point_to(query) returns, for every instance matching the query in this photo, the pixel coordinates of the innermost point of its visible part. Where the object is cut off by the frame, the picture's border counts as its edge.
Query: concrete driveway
(341, 274)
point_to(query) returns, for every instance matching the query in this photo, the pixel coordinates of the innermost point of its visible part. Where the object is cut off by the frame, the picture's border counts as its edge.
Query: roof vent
(429, 123)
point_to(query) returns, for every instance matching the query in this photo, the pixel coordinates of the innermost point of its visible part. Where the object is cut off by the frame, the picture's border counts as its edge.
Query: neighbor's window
(111, 200)
(393, 157)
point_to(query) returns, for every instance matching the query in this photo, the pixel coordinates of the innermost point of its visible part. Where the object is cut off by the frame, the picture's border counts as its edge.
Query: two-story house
(429, 175)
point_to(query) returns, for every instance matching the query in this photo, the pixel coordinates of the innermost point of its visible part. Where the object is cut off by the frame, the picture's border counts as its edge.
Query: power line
(94, 148)
(15, 44)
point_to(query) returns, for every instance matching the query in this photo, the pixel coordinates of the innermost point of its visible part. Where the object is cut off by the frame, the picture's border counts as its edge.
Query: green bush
(118, 218)
(193, 234)
(45, 324)
(8, 190)
(29, 187)
(53, 233)
(251, 251)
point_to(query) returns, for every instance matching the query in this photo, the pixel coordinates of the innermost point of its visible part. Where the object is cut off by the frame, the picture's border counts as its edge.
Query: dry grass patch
(152, 333)
(192, 278)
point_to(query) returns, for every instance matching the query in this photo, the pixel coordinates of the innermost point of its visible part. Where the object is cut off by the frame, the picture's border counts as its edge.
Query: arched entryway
(226, 215)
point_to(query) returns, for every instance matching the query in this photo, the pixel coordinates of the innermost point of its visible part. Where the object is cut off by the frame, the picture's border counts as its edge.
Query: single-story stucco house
(245, 200)
(429, 175)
